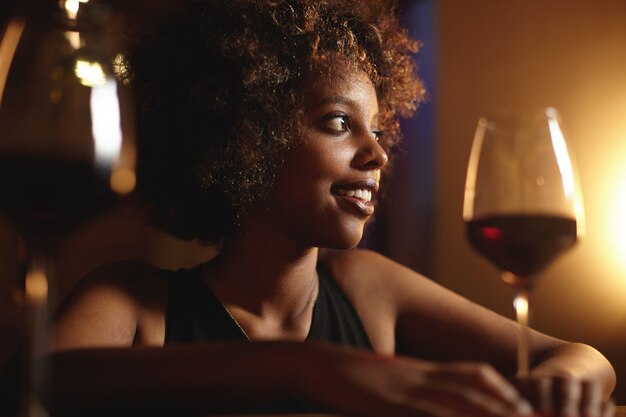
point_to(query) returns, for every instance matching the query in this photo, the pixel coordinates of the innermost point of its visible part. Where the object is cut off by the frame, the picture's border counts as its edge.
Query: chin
(342, 241)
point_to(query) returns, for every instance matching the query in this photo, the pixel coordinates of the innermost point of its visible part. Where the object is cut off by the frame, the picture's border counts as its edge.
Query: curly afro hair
(214, 79)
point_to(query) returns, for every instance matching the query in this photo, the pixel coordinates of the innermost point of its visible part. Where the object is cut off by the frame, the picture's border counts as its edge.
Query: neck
(264, 273)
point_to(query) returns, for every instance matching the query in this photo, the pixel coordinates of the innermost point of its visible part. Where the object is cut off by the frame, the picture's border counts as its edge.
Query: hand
(562, 396)
(359, 383)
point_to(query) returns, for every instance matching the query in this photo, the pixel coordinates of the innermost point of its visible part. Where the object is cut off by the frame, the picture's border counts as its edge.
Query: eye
(336, 123)
(378, 134)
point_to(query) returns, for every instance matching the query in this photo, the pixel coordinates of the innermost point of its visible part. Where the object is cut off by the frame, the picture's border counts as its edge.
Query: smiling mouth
(360, 193)
(357, 196)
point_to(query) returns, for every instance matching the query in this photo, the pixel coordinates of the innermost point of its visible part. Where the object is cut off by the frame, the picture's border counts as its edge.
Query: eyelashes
(338, 124)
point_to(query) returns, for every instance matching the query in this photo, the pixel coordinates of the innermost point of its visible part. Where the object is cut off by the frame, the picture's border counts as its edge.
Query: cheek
(333, 159)
(317, 163)
(304, 183)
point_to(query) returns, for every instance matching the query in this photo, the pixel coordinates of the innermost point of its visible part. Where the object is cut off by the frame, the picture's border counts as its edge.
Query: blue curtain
(404, 224)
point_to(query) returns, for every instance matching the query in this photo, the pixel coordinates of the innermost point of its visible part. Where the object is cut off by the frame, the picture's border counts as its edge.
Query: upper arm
(437, 323)
(103, 310)
(429, 321)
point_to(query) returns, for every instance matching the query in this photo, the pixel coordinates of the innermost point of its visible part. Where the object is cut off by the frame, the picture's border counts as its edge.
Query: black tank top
(195, 314)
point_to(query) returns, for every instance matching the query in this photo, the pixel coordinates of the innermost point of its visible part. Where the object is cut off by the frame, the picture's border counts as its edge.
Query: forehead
(340, 85)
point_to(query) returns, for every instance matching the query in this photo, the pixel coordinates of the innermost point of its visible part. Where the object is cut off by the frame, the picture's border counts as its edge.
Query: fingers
(609, 409)
(569, 394)
(591, 400)
(474, 389)
(489, 380)
(539, 392)
(566, 397)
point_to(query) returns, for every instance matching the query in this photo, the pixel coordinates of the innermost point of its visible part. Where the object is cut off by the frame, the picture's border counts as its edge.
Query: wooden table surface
(620, 411)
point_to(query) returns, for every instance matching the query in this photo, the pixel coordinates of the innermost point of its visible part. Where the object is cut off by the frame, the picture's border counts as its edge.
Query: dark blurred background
(476, 56)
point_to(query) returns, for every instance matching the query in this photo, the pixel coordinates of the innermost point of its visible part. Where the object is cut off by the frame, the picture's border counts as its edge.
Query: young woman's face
(324, 193)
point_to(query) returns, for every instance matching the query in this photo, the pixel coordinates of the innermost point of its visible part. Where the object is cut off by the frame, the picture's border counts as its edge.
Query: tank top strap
(194, 313)
(334, 318)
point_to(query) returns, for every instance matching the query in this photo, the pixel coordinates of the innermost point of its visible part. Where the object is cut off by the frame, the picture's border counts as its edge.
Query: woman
(265, 126)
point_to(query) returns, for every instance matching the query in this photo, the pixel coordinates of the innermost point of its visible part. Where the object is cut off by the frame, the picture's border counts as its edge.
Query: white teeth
(362, 194)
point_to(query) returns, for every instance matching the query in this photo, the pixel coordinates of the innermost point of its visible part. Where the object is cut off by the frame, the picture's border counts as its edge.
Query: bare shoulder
(414, 315)
(375, 285)
(118, 304)
(406, 312)
(127, 281)
(367, 271)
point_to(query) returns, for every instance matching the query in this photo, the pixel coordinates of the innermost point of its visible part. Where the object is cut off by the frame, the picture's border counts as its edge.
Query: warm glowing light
(123, 181)
(571, 187)
(71, 8)
(8, 45)
(105, 118)
(120, 68)
(73, 38)
(615, 219)
(562, 155)
(36, 285)
(521, 309)
(470, 182)
(89, 73)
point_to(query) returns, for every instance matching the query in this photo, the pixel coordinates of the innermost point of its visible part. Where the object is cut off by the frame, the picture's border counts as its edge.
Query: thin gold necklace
(233, 317)
(203, 278)
(236, 322)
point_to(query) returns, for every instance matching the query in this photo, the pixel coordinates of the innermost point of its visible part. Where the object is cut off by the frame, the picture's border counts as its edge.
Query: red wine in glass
(522, 207)
(523, 244)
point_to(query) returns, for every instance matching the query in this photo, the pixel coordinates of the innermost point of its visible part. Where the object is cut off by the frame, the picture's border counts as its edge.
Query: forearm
(575, 360)
(193, 379)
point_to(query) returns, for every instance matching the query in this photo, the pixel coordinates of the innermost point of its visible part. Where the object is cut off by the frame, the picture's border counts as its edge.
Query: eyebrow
(340, 100)
(335, 100)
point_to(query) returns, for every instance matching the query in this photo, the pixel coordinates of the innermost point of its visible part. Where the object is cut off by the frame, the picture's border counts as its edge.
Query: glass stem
(36, 304)
(521, 310)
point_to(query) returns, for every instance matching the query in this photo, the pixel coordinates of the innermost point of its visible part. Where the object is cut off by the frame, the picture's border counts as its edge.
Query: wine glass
(522, 205)
(66, 142)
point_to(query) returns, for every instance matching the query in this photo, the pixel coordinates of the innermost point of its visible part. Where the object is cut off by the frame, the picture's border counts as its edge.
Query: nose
(370, 155)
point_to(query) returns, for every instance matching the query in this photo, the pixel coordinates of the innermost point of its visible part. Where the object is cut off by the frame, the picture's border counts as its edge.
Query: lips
(362, 194)
(357, 195)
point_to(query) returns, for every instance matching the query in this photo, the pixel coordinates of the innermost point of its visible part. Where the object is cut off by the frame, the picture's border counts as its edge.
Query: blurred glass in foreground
(66, 146)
